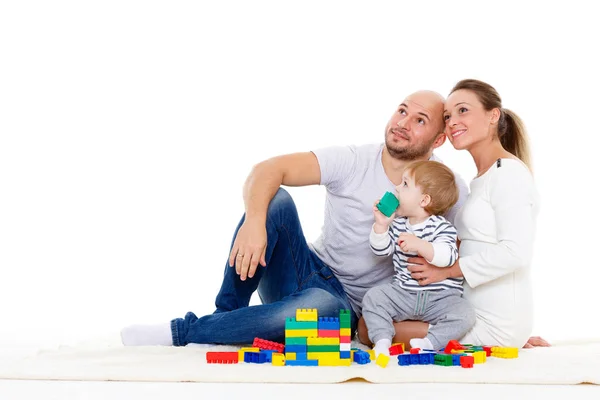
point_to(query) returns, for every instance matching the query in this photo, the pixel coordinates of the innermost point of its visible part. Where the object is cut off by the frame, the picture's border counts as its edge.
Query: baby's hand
(381, 219)
(409, 243)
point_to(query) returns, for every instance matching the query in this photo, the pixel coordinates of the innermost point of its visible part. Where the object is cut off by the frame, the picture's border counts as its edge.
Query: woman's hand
(248, 249)
(536, 341)
(425, 273)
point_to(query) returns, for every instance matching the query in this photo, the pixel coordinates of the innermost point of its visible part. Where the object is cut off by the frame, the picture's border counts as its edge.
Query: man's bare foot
(536, 341)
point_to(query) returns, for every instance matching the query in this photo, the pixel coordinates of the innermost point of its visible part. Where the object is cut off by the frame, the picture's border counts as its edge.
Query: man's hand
(425, 273)
(409, 243)
(249, 249)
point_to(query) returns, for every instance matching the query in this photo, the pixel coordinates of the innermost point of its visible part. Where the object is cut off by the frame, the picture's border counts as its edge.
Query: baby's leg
(382, 305)
(450, 317)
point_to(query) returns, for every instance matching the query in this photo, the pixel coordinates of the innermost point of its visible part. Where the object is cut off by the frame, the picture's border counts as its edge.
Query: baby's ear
(425, 200)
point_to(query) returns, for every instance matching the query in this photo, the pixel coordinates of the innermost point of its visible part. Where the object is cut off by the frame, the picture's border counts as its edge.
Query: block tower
(324, 341)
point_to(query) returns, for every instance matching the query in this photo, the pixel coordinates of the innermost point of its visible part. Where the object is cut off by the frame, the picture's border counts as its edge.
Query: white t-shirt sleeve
(512, 196)
(382, 244)
(337, 164)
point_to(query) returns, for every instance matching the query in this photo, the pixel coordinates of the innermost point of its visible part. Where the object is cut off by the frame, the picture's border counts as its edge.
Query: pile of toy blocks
(311, 340)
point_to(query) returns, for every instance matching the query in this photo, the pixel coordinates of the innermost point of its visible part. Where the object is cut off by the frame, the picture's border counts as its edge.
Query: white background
(127, 130)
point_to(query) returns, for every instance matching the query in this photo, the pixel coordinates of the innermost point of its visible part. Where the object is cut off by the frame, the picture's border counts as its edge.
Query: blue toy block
(301, 356)
(344, 354)
(254, 357)
(295, 348)
(306, 363)
(269, 354)
(414, 359)
(328, 323)
(456, 359)
(404, 359)
(426, 358)
(362, 357)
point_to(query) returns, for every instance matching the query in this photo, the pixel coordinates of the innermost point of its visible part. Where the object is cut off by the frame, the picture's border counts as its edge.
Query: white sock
(147, 335)
(382, 347)
(423, 344)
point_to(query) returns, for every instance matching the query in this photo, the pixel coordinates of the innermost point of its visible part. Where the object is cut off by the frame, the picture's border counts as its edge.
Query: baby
(428, 190)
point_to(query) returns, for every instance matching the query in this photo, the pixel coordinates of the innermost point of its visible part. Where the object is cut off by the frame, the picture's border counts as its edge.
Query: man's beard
(408, 153)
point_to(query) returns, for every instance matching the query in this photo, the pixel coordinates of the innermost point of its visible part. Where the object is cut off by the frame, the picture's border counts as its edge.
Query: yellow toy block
(371, 354)
(307, 333)
(246, 349)
(479, 357)
(456, 351)
(345, 332)
(323, 341)
(278, 359)
(382, 360)
(322, 355)
(335, 363)
(505, 352)
(290, 356)
(306, 314)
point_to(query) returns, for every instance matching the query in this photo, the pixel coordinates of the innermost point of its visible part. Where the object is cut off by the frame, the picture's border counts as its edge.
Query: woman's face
(467, 122)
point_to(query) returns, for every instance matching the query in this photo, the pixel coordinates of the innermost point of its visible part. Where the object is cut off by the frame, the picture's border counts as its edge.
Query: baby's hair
(436, 180)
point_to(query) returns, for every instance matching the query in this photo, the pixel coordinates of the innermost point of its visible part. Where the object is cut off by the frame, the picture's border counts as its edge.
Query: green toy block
(388, 204)
(344, 318)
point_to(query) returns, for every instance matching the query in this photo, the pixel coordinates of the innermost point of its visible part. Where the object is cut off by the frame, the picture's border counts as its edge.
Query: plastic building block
(222, 357)
(404, 359)
(305, 363)
(382, 360)
(453, 345)
(278, 360)
(466, 361)
(328, 323)
(268, 345)
(323, 341)
(345, 332)
(296, 340)
(426, 358)
(296, 348)
(243, 350)
(443, 359)
(269, 354)
(335, 362)
(306, 314)
(344, 354)
(345, 319)
(396, 349)
(388, 204)
(256, 358)
(415, 350)
(306, 333)
(505, 352)
(361, 357)
(291, 323)
(479, 357)
(331, 333)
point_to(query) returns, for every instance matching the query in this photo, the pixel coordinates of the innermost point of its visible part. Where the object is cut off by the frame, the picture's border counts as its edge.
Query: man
(269, 250)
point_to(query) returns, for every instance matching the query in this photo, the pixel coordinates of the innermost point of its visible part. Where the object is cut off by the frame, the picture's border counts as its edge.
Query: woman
(496, 226)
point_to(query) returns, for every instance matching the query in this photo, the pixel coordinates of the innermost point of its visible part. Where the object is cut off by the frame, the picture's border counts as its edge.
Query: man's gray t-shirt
(354, 178)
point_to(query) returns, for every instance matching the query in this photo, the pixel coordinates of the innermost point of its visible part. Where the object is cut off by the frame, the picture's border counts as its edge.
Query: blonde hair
(511, 130)
(436, 180)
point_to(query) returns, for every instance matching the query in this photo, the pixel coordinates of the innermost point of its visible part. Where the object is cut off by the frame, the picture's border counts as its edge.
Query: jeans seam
(287, 233)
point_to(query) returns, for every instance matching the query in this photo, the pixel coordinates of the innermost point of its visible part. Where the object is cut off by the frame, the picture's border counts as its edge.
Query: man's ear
(439, 140)
(425, 200)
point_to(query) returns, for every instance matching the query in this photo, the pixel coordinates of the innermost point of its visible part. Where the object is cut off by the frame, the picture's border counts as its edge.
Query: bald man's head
(417, 126)
(431, 101)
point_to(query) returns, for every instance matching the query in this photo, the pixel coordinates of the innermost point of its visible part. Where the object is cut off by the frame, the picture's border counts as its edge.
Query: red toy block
(467, 361)
(268, 345)
(415, 350)
(345, 339)
(453, 345)
(222, 357)
(396, 349)
(488, 350)
(329, 333)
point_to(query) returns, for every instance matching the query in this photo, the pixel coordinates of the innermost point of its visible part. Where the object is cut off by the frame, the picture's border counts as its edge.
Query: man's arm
(298, 169)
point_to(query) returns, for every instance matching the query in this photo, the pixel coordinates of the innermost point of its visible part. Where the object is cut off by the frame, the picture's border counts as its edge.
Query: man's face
(415, 126)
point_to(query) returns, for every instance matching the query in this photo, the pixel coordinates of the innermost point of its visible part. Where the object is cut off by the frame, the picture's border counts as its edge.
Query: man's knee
(281, 199)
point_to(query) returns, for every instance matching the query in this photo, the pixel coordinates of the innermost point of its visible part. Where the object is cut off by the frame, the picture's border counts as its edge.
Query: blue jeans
(293, 278)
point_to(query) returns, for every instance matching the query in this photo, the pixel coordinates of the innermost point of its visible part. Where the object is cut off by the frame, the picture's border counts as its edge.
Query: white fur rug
(566, 363)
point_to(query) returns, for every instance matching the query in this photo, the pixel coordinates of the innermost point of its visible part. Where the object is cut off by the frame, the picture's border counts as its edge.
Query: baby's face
(409, 195)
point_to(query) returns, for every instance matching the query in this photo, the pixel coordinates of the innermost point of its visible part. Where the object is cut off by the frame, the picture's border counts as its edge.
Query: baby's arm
(382, 244)
(444, 248)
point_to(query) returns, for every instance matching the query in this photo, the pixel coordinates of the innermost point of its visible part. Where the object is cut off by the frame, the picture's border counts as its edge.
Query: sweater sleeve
(382, 244)
(512, 196)
(445, 251)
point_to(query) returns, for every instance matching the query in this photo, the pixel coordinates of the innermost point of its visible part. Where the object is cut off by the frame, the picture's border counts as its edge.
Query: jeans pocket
(326, 273)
